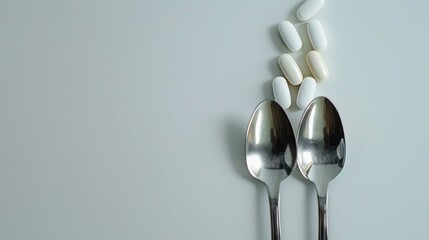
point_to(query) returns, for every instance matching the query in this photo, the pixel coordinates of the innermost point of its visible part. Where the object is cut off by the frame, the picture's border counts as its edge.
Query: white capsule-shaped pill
(317, 65)
(316, 34)
(308, 9)
(290, 36)
(281, 92)
(290, 69)
(306, 92)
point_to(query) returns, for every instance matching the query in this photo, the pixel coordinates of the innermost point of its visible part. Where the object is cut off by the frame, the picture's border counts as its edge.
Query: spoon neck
(322, 190)
(323, 201)
(274, 203)
(273, 191)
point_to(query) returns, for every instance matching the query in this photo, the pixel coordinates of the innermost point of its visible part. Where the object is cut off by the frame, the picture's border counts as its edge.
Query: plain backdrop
(127, 119)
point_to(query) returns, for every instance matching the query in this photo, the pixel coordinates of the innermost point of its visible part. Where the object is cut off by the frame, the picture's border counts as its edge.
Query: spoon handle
(275, 219)
(323, 218)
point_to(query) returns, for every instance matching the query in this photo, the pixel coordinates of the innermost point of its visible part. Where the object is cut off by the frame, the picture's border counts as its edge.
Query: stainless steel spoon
(271, 153)
(321, 151)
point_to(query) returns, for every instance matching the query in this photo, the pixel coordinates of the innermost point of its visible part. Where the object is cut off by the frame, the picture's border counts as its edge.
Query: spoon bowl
(271, 153)
(321, 151)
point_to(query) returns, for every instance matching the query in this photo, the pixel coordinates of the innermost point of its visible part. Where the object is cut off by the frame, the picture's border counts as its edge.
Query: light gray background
(126, 119)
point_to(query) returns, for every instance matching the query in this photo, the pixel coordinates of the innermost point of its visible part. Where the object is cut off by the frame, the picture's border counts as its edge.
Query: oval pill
(290, 36)
(308, 9)
(316, 34)
(317, 65)
(306, 92)
(281, 92)
(290, 69)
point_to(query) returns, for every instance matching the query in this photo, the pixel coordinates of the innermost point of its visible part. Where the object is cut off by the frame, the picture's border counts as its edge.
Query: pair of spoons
(319, 152)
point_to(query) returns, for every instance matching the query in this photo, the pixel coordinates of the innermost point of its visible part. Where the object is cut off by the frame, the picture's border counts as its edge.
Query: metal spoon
(321, 151)
(271, 153)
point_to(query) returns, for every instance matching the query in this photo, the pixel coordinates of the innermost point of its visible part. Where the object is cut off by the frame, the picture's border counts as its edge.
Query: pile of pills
(315, 62)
